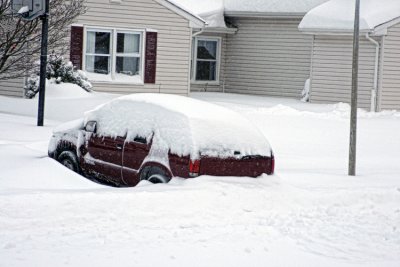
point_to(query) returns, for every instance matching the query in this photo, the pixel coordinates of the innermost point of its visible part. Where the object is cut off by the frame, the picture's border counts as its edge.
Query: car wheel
(69, 160)
(155, 175)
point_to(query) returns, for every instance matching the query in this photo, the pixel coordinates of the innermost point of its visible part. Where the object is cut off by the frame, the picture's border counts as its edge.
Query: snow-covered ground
(308, 214)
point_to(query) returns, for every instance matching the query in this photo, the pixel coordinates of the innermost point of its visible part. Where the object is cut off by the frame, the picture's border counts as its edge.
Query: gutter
(198, 33)
(221, 30)
(276, 15)
(375, 88)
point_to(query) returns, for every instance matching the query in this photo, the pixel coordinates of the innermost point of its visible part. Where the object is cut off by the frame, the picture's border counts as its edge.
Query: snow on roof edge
(337, 16)
(183, 9)
(265, 14)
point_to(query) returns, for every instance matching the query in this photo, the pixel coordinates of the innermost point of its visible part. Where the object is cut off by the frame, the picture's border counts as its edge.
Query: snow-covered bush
(60, 71)
(305, 94)
(32, 86)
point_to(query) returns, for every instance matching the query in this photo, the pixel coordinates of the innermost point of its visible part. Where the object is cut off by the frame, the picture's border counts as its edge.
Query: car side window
(91, 127)
(139, 139)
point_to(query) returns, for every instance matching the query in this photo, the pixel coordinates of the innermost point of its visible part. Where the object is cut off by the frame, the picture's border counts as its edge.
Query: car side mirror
(91, 127)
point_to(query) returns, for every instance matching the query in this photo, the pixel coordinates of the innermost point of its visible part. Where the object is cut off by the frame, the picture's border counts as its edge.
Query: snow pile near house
(183, 125)
(212, 11)
(310, 213)
(338, 15)
(65, 90)
(305, 94)
(272, 6)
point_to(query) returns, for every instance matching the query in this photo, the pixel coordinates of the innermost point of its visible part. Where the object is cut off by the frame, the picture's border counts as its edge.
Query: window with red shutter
(150, 57)
(76, 46)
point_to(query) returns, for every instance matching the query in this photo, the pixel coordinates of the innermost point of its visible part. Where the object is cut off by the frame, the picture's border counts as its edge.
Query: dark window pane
(128, 43)
(101, 65)
(206, 71)
(97, 64)
(128, 65)
(207, 50)
(102, 43)
(120, 42)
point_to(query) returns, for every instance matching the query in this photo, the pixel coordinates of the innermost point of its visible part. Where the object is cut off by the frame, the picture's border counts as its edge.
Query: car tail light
(194, 168)
(272, 164)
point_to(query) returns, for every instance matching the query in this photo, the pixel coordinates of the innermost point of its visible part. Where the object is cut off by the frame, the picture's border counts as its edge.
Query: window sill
(119, 79)
(117, 82)
(206, 82)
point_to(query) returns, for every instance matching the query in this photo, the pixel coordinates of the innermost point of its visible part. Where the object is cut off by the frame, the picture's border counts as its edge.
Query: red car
(156, 137)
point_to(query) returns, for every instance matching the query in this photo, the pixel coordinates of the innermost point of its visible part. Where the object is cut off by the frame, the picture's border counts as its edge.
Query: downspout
(190, 62)
(375, 88)
(197, 33)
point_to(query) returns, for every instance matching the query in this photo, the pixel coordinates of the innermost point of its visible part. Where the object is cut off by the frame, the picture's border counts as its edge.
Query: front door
(103, 159)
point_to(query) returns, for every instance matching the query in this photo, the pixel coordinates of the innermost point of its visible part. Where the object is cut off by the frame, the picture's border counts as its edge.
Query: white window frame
(113, 52)
(102, 55)
(218, 59)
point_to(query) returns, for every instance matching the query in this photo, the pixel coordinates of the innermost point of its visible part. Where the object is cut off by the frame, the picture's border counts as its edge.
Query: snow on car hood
(69, 126)
(183, 125)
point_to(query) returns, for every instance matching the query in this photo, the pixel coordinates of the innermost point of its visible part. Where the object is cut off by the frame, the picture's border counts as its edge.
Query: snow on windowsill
(119, 78)
(205, 82)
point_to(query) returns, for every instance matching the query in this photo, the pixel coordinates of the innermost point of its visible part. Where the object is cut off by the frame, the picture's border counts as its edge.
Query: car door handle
(119, 146)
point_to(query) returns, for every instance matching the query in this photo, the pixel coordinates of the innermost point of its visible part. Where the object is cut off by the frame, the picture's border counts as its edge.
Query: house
(178, 46)
(263, 47)
(331, 27)
(262, 52)
(129, 46)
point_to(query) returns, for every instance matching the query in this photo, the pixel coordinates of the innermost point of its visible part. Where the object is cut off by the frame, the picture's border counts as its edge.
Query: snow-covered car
(156, 137)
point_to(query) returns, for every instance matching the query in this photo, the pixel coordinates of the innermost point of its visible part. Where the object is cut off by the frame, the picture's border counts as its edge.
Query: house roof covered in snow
(338, 16)
(213, 11)
(270, 7)
(195, 20)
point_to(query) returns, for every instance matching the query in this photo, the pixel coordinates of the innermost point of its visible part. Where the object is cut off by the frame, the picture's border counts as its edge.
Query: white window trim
(194, 60)
(94, 54)
(113, 53)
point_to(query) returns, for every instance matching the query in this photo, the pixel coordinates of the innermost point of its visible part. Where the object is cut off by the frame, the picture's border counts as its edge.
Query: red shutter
(150, 63)
(76, 47)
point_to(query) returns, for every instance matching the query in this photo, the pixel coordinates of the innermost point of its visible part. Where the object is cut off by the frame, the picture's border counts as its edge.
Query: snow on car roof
(338, 15)
(183, 125)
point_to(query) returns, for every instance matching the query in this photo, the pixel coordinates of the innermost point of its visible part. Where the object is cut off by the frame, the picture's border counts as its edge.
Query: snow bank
(272, 6)
(184, 126)
(65, 90)
(309, 214)
(212, 11)
(338, 15)
(305, 94)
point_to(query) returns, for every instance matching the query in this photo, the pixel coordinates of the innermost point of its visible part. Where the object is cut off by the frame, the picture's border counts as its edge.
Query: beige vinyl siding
(332, 70)
(212, 87)
(267, 57)
(390, 92)
(12, 87)
(173, 49)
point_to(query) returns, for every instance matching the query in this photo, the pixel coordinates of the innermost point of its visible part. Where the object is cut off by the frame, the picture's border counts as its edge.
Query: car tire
(155, 175)
(69, 160)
